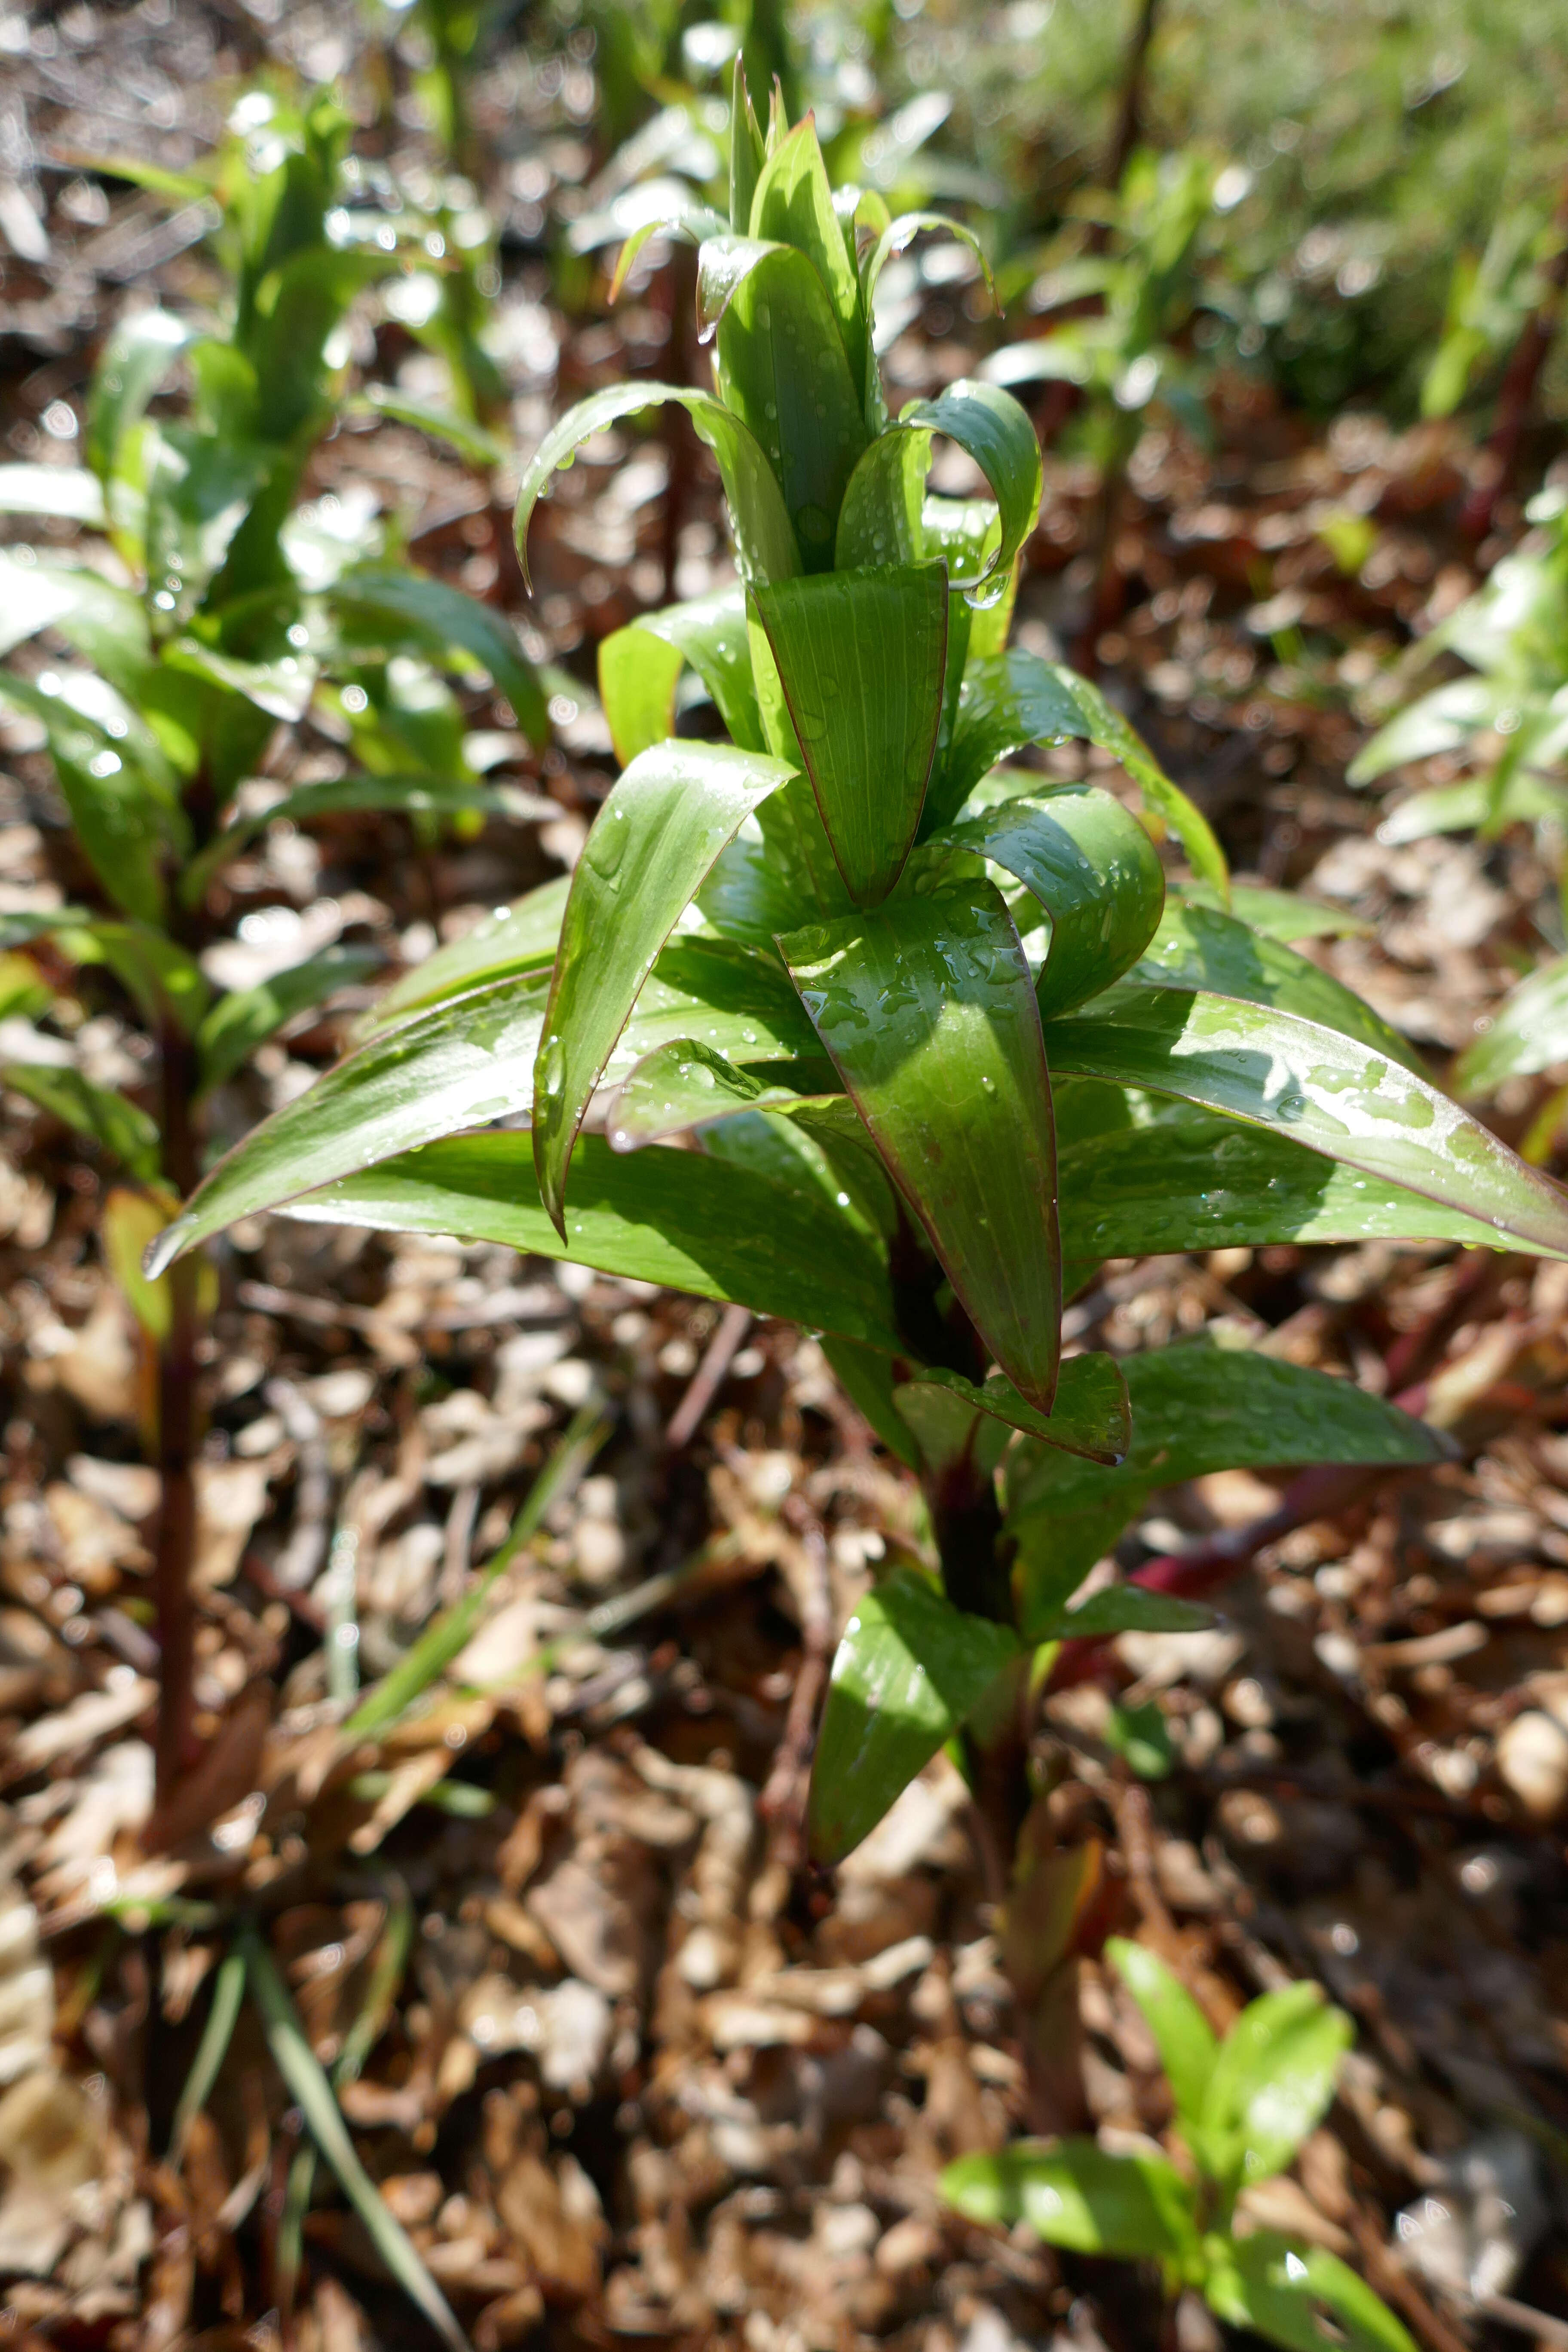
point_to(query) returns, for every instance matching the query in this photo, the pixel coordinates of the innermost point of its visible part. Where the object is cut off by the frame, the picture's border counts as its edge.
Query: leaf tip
(164, 1248)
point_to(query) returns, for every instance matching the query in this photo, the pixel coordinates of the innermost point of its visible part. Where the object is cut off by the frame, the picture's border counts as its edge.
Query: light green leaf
(679, 1219)
(1103, 724)
(31, 597)
(747, 152)
(167, 984)
(879, 520)
(518, 939)
(238, 1023)
(792, 204)
(861, 658)
(1089, 1416)
(441, 617)
(1271, 2083)
(133, 367)
(1197, 947)
(228, 1991)
(905, 1673)
(1184, 2038)
(118, 1125)
(1091, 866)
(1529, 1035)
(199, 492)
(686, 1085)
(651, 846)
(71, 492)
(1280, 2290)
(1120, 1609)
(1278, 914)
(1072, 2193)
(1443, 720)
(989, 427)
(927, 1009)
(476, 448)
(114, 783)
(640, 668)
(1324, 1090)
(765, 541)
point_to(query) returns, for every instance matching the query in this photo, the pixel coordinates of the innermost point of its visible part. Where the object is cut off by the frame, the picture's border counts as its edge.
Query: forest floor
(636, 2073)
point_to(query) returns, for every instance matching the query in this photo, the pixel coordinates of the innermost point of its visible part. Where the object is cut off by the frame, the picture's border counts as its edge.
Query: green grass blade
(228, 1991)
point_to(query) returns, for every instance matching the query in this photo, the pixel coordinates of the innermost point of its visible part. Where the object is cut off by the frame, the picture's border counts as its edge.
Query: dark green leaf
(1184, 2038)
(1278, 914)
(1090, 1414)
(861, 657)
(652, 845)
(640, 668)
(1529, 1034)
(765, 541)
(238, 1023)
(1120, 1609)
(442, 617)
(989, 427)
(1280, 2290)
(1103, 724)
(1196, 947)
(108, 1119)
(167, 984)
(1271, 2083)
(781, 369)
(1091, 866)
(1072, 2193)
(1142, 1735)
(927, 1009)
(676, 1218)
(907, 1672)
(868, 1380)
(1324, 1090)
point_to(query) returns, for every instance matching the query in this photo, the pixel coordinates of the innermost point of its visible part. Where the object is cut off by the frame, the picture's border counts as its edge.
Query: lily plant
(849, 1020)
(201, 609)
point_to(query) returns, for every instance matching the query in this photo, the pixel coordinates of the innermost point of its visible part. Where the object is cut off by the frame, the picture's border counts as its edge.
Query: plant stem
(1135, 79)
(173, 1557)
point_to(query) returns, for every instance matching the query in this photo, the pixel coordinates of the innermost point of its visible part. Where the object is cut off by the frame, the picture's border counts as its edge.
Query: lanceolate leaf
(685, 1084)
(133, 367)
(1092, 868)
(1271, 2083)
(676, 1218)
(1103, 724)
(416, 795)
(69, 491)
(861, 657)
(1276, 2288)
(1196, 947)
(1072, 2193)
(1529, 1033)
(1184, 2038)
(765, 541)
(927, 1008)
(652, 843)
(1120, 1609)
(1321, 1089)
(516, 939)
(238, 1023)
(442, 617)
(792, 204)
(640, 668)
(908, 1671)
(1278, 914)
(119, 801)
(1090, 1415)
(118, 1125)
(989, 426)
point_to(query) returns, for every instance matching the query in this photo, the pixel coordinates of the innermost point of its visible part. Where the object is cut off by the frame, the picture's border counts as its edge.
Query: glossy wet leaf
(908, 1671)
(1271, 2083)
(781, 369)
(902, 232)
(1528, 1033)
(1073, 2193)
(1090, 1414)
(765, 541)
(652, 846)
(640, 668)
(441, 618)
(861, 657)
(1103, 725)
(238, 1023)
(792, 204)
(879, 520)
(517, 939)
(1199, 947)
(685, 1084)
(1186, 2039)
(1092, 868)
(988, 425)
(1281, 2289)
(1321, 1089)
(927, 1008)
(124, 1131)
(679, 1219)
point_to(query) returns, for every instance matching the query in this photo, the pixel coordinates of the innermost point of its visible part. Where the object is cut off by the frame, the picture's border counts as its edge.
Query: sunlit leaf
(792, 204)
(518, 939)
(1271, 2083)
(1072, 2193)
(1528, 1033)
(1278, 914)
(640, 668)
(415, 795)
(470, 441)
(907, 1672)
(685, 1085)
(70, 493)
(1198, 947)
(989, 427)
(238, 1023)
(133, 366)
(927, 1009)
(1282, 2290)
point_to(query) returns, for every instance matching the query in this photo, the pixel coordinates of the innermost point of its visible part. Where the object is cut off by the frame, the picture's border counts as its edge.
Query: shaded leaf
(238, 1023)
(1088, 1414)
(1278, 914)
(228, 1992)
(470, 441)
(928, 1011)
(652, 843)
(118, 1125)
(443, 617)
(868, 1378)
(640, 668)
(988, 425)
(905, 1673)
(416, 795)
(1072, 2193)
(1198, 947)
(1120, 1609)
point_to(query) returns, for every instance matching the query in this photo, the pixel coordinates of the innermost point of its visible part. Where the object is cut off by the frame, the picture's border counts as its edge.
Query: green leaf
(679, 1219)
(228, 1991)
(1529, 1035)
(907, 1672)
(1324, 1090)
(476, 448)
(1443, 720)
(879, 520)
(108, 1119)
(1120, 1609)
(652, 843)
(868, 1380)
(518, 939)
(71, 492)
(686, 1085)
(1091, 866)
(1196, 947)
(1271, 2083)
(927, 1009)
(1089, 1413)
(792, 204)
(199, 493)
(448, 1635)
(416, 795)
(167, 984)
(781, 369)
(640, 668)
(764, 542)
(1142, 1735)
(113, 782)
(133, 367)
(1103, 724)
(747, 152)
(1071, 2193)
(989, 427)
(442, 618)
(861, 657)
(1280, 2290)
(31, 598)
(308, 2087)
(1185, 1178)
(1278, 914)
(238, 1023)
(1182, 2035)
(902, 232)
